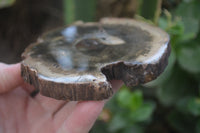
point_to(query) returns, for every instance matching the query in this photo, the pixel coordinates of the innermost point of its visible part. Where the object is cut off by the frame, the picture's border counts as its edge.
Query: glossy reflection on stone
(83, 47)
(77, 62)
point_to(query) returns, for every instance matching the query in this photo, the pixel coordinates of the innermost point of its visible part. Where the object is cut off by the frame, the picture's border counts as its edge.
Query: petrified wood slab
(77, 62)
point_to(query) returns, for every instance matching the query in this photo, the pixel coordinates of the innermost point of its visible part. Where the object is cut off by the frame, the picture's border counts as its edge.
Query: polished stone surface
(77, 53)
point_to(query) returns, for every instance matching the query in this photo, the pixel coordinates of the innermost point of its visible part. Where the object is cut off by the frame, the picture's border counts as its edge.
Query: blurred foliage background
(169, 104)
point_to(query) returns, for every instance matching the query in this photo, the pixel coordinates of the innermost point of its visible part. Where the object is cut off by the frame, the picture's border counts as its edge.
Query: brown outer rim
(132, 75)
(138, 73)
(66, 91)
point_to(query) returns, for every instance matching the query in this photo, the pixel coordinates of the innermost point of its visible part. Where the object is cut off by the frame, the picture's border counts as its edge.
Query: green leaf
(178, 85)
(69, 11)
(79, 10)
(198, 126)
(189, 105)
(162, 23)
(189, 9)
(188, 57)
(99, 127)
(181, 122)
(194, 106)
(182, 105)
(189, 13)
(176, 29)
(136, 128)
(118, 122)
(130, 100)
(143, 113)
(150, 9)
(6, 3)
(187, 1)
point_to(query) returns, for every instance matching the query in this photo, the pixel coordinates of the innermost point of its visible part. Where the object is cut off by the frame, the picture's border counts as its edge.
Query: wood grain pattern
(77, 62)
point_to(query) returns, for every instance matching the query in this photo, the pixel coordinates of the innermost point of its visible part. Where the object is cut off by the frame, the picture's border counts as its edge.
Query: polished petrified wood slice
(77, 62)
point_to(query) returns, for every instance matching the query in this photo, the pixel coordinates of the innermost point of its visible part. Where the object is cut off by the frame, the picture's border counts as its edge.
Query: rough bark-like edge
(138, 73)
(131, 73)
(66, 91)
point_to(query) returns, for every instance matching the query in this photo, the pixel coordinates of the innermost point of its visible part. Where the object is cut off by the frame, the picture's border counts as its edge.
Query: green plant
(6, 3)
(171, 103)
(84, 10)
(128, 110)
(178, 86)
